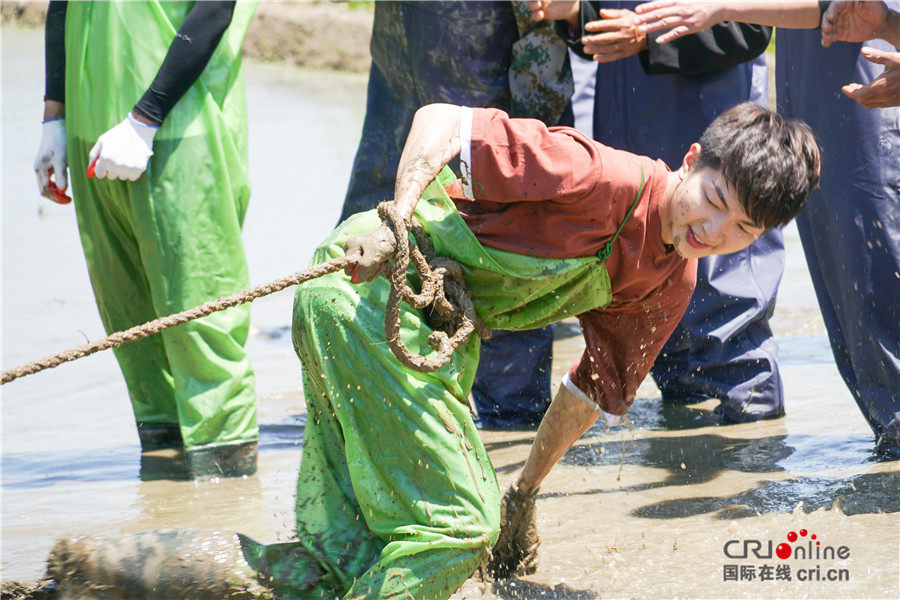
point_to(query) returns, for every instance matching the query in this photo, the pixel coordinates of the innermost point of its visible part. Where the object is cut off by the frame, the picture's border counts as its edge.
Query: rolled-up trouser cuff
(608, 419)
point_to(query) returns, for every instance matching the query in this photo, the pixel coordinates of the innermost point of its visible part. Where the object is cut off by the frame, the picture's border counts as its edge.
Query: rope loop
(444, 295)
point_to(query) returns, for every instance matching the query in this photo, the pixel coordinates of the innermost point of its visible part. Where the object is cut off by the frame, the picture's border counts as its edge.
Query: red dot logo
(783, 551)
(813, 536)
(792, 536)
(803, 533)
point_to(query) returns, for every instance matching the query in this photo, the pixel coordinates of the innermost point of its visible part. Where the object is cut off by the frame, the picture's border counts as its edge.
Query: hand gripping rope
(444, 290)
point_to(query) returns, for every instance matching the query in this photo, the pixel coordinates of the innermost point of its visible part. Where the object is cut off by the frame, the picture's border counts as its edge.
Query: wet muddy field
(678, 505)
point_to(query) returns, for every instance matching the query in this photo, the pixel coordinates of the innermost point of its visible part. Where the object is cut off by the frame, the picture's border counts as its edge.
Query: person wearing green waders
(396, 495)
(149, 96)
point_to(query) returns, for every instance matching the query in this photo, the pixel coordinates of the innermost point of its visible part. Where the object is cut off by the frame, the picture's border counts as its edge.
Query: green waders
(396, 495)
(172, 239)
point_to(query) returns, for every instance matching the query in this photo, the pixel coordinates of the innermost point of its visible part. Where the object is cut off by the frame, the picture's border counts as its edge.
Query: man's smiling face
(704, 214)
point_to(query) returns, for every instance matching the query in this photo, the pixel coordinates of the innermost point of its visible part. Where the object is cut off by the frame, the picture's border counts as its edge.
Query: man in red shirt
(396, 495)
(546, 224)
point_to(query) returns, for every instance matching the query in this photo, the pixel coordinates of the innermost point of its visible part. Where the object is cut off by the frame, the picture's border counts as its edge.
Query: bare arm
(564, 422)
(690, 17)
(855, 21)
(432, 142)
(54, 109)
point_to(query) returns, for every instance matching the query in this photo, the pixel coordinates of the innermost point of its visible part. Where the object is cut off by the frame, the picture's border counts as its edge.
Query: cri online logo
(812, 550)
(784, 551)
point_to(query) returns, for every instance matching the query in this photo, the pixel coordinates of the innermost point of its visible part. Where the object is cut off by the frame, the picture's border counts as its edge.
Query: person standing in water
(149, 96)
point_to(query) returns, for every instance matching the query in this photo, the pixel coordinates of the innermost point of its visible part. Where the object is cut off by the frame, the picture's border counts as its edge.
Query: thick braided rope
(141, 331)
(444, 291)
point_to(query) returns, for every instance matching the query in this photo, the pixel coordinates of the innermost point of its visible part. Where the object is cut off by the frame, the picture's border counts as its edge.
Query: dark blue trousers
(851, 227)
(723, 347)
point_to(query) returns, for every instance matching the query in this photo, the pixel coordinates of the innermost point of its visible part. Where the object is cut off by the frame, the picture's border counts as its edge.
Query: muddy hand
(374, 249)
(515, 552)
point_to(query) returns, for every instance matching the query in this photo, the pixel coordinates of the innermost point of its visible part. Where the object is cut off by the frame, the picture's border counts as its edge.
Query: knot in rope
(444, 297)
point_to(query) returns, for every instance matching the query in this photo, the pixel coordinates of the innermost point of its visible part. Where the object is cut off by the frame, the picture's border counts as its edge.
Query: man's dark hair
(772, 163)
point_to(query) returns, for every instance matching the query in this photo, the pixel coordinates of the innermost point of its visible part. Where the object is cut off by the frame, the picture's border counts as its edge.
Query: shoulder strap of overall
(606, 250)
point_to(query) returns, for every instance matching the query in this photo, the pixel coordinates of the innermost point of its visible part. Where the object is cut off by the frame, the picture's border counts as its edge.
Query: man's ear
(689, 159)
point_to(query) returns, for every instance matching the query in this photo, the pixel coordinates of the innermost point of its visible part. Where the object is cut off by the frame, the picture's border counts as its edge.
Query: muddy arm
(433, 141)
(565, 421)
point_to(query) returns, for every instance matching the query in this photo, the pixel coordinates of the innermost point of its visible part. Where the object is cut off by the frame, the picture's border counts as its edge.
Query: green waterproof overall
(396, 495)
(172, 239)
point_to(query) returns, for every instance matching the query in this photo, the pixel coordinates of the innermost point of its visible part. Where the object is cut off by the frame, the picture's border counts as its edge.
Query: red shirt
(554, 192)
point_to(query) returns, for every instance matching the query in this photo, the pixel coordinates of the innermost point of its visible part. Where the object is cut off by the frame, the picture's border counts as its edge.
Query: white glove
(52, 157)
(124, 150)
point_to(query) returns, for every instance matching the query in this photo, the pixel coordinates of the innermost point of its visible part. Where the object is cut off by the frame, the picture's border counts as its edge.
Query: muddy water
(640, 513)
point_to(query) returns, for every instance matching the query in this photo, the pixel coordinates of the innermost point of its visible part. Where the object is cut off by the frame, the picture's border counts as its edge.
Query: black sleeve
(724, 45)
(823, 6)
(588, 11)
(194, 44)
(55, 52)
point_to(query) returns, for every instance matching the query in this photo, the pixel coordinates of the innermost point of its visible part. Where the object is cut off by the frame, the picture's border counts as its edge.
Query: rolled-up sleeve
(465, 150)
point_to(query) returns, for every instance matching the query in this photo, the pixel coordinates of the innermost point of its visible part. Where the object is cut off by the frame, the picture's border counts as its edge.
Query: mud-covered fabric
(396, 495)
(540, 78)
(850, 228)
(172, 239)
(478, 54)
